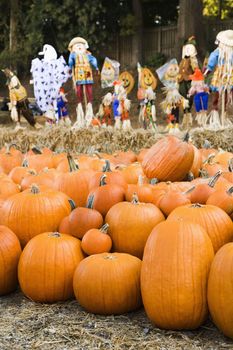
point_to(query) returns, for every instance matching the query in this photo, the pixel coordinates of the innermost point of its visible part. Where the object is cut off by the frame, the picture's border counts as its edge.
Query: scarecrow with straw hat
(221, 62)
(19, 103)
(80, 62)
(200, 91)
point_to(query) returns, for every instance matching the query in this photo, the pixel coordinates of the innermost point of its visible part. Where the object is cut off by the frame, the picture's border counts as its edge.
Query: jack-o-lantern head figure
(147, 79)
(127, 80)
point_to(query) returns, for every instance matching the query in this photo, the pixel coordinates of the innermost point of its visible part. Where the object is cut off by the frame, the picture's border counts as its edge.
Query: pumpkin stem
(190, 176)
(35, 189)
(25, 163)
(109, 257)
(215, 178)
(72, 165)
(90, 201)
(203, 174)
(106, 167)
(210, 158)
(104, 228)
(135, 199)
(230, 165)
(97, 154)
(196, 205)
(230, 190)
(189, 190)
(103, 180)
(72, 204)
(154, 181)
(36, 150)
(55, 234)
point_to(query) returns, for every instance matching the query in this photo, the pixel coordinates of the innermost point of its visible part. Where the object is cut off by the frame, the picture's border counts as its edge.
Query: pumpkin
(32, 212)
(131, 172)
(96, 241)
(18, 173)
(223, 157)
(220, 290)
(40, 161)
(142, 154)
(202, 191)
(169, 159)
(223, 200)
(175, 268)
(44, 178)
(47, 266)
(211, 167)
(10, 251)
(171, 200)
(105, 196)
(228, 175)
(8, 187)
(113, 177)
(214, 220)
(128, 81)
(9, 159)
(197, 162)
(143, 191)
(74, 183)
(108, 283)
(81, 220)
(147, 79)
(130, 225)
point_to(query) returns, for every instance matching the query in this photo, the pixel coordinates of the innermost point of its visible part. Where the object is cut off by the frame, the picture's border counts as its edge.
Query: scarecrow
(186, 68)
(62, 110)
(18, 101)
(127, 80)
(80, 62)
(168, 75)
(221, 62)
(49, 74)
(104, 114)
(147, 83)
(200, 91)
(121, 107)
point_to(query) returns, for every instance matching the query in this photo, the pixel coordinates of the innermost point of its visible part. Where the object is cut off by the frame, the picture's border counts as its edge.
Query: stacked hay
(104, 140)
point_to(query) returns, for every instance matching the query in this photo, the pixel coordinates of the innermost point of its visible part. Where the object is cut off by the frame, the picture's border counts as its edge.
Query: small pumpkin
(96, 241)
(108, 284)
(47, 266)
(202, 191)
(223, 200)
(127, 80)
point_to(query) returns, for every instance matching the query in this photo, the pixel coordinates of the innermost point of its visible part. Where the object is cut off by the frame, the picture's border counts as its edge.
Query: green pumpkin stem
(189, 190)
(230, 165)
(106, 167)
(135, 199)
(196, 205)
(25, 163)
(90, 201)
(104, 228)
(55, 234)
(230, 190)
(103, 180)
(35, 189)
(154, 181)
(186, 137)
(214, 179)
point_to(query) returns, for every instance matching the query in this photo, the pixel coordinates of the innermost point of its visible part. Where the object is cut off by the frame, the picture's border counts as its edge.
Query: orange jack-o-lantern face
(127, 81)
(147, 79)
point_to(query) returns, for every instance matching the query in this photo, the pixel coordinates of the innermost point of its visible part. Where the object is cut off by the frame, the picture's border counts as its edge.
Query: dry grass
(87, 140)
(66, 326)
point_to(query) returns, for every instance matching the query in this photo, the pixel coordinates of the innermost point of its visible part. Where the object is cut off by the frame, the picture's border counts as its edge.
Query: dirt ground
(66, 326)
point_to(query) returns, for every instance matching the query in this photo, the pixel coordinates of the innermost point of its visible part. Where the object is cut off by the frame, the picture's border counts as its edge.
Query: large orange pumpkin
(32, 212)
(175, 268)
(10, 251)
(220, 290)
(47, 265)
(214, 220)
(169, 159)
(130, 225)
(108, 283)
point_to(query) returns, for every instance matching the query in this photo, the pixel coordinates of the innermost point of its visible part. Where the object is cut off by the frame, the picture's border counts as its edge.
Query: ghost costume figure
(80, 62)
(49, 74)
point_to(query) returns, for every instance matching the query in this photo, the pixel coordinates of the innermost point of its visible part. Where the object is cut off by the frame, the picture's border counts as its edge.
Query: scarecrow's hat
(197, 76)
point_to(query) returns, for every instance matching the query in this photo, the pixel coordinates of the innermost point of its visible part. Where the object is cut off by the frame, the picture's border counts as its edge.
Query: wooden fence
(159, 40)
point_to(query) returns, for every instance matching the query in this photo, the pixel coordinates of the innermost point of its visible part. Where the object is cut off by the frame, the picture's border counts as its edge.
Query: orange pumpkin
(96, 241)
(222, 199)
(175, 268)
(128, 81)
(220, 290)
(147, 79)
(130, 225)
(214, 220)
(47, 266)
(197, 162)
(202, 191)
(8, 187)
(32, 212)
(169, 159)
(10, 251)
(108, 284)
(105, 196)
(171, 200)
(131, 172)
(9, 159)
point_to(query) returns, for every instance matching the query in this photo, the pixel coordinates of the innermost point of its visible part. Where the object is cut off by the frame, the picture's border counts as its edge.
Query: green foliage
(128, 24)
(212, 8)
(156, 60)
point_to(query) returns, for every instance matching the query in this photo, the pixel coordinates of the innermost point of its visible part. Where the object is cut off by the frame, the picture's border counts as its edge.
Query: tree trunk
(190, 22)
(137, 37)
(14, 14)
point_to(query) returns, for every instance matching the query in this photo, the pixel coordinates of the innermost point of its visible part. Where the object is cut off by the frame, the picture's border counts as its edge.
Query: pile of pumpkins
(123, 230)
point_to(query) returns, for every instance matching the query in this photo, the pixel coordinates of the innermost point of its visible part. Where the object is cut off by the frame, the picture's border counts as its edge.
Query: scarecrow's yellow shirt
(17, 93)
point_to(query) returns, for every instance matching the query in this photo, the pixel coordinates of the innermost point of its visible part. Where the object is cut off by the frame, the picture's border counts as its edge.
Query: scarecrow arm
(213, 60)
(71, 60)
(93, 61)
